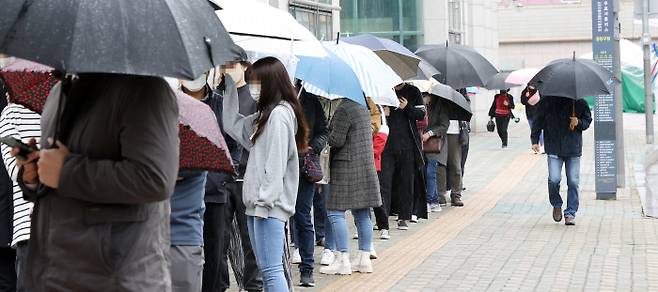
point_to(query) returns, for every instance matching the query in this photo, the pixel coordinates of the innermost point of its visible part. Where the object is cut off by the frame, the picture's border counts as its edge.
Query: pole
(619, 104)
(648, 101)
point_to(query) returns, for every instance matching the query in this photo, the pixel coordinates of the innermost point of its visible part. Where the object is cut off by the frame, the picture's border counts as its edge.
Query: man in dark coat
(563, 121)
(402, 158)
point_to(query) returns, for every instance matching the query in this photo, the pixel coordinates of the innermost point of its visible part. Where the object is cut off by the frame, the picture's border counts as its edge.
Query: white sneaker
(340, 266)
(373, 253)
(356, 235)
(363, 263)
(435, 208)
(296, 258)
(414, 219)
(383, 234)
(328, 257)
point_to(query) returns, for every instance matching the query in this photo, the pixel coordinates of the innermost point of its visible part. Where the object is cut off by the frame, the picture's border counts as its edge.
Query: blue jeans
(341, 233)
(541, 136)
(430, 181)
(320, 211)
(303, 227)
(267, 238)
(572, 169)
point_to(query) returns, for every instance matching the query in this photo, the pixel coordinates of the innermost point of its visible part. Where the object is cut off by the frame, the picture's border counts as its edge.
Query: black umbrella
(401, 59)
(498, 82)
(147, 37)
(461, 108)
(573, 78)
(426, 71)
(460, 66)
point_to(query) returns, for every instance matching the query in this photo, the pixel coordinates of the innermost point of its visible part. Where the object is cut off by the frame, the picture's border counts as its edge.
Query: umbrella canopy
(499, 81)
(376, 78)
(521, 76)
(402, 60)
(174, 38)
(460, 66)
(202, 145)
(426, 72)
(573, 78)
(461, 108)
(260, 28)
(28, 83)
(329, 77)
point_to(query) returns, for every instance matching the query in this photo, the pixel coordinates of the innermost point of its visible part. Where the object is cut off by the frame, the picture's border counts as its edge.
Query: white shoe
(383, 234)
(373, 253)
(363, 263)
(328, 257)
(296, 258)
(356, 235)
(435, 208)
(340, 266)
(414, 219)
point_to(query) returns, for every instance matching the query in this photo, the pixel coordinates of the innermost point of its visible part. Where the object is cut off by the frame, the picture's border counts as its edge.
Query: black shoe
(319, 242)
(307, 279)
(402, 225)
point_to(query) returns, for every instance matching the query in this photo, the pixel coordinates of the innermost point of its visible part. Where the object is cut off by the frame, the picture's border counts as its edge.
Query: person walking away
(501, 110)
(401, 158)
(101, 212)
(22, 124)
(7, 253)
(438, 123)
(563, 121)
(273, 135)
(354, 185)
(224, 200)
(530, 101)
(304, 237)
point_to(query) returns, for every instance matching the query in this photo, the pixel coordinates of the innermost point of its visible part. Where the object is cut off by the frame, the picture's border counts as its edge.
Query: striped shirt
(23, 124)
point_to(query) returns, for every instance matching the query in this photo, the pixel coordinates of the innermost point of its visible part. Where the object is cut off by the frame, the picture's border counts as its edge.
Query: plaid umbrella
(28, 83)
(202, 145)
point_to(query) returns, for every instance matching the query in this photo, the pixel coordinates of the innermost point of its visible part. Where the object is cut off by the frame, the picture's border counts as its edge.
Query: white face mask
(6, 61)
(254, 89)
(196, 84)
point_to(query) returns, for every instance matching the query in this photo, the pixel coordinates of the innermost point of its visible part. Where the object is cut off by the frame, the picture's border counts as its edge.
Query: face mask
(196, 84)
(6, 61)
(236, 73)
(254, 89)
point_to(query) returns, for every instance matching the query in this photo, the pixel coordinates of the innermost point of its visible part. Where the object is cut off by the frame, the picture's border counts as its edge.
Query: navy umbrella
(573, 78)
(460, 66)
(173, 38)
(400, 59)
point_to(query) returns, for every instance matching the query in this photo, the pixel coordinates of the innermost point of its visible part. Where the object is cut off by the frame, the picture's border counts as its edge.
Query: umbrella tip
(337, 37)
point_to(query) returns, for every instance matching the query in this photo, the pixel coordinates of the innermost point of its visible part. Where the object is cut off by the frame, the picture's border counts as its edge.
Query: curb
(648, 193)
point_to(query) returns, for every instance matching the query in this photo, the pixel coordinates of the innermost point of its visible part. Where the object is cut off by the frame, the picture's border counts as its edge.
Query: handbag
(491, 126)
(433, 145)
(311, 169)
(325, 162)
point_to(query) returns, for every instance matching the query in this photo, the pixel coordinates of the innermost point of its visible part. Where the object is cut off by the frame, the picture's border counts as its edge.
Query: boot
(456, 200)
(363, 263)
(340, 266)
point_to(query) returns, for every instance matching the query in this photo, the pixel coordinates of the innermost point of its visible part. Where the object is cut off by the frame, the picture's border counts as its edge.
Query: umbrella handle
(573, 109)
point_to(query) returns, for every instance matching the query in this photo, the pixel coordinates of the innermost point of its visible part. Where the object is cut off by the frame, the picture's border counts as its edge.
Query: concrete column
(435, 21)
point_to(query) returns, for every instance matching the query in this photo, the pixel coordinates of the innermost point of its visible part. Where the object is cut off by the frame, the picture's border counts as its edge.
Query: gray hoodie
(272, 175)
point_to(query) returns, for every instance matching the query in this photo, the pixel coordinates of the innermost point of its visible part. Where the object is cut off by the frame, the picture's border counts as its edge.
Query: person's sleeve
(8, 129)
(340, 125)
(492, 109)
(441, 128)
(379, 141)
(585, 119)
(321, 130)
(524, 98)
(280, 135)
(149, 147)
(538, 123)
(415, 109)
(239, 127)
(511, 102)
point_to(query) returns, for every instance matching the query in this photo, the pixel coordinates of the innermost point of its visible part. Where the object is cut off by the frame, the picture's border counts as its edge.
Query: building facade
(321, 17)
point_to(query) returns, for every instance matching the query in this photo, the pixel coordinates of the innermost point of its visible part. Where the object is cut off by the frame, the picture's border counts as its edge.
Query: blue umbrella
(329, 77)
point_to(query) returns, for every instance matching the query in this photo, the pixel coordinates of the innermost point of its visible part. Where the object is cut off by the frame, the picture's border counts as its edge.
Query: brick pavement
(505, 239)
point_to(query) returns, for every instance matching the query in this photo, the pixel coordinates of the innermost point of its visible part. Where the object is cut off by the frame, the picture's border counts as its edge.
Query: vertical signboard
(603, 48)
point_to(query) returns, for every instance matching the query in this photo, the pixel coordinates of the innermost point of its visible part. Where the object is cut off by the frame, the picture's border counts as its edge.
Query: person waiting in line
(401, 159)
(274, 135)
(438, 123)
(501, 110)
(530, 99)
(354, 185)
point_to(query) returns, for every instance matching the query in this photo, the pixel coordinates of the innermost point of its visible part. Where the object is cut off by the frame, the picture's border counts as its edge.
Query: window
(399, 20)
(455, 22)
(319, 22)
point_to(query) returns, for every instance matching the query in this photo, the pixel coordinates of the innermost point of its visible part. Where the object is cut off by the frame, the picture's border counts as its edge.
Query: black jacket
(317, 123)
(414, 111)
(530, 110)
(492, 110)
(552, 117)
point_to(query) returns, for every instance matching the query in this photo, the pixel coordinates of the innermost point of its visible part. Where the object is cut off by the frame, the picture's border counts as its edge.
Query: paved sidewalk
(505, 238)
